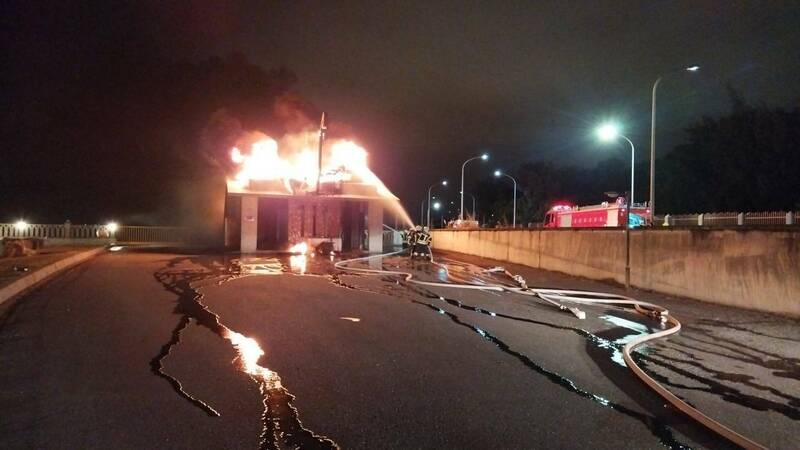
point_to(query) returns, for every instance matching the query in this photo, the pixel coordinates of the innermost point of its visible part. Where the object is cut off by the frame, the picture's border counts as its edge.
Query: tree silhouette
(747, 160)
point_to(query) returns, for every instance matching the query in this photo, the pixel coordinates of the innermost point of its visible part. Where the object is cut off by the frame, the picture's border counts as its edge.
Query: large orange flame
(294, 163)
(267, 160)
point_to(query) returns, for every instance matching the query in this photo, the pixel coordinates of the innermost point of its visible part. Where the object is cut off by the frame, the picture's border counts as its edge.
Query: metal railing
(152, 234)
(12, 230)
(95, 231)
(728, 219)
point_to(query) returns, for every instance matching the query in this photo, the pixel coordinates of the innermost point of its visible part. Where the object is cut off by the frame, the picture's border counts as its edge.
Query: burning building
(287, 191)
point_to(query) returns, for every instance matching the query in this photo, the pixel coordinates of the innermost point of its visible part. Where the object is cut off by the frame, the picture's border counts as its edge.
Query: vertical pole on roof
(322, 130)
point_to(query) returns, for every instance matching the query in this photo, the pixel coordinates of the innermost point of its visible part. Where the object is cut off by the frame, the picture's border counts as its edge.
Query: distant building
(273, 215)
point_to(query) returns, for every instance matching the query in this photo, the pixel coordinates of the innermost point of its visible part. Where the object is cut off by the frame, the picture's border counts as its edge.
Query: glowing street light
(21, 225)
(498, 174)
(439, 207)
(483, 157)
(652, 203)
(610, 132)
(112, 227)
(443, 183)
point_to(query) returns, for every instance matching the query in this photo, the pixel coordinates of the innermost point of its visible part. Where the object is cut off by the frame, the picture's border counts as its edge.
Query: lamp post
(473, 203)
(652, 203)
(610, 132)
(443, 183)
(498, 173)
(436, 207)
(483, 157)
(474, 215)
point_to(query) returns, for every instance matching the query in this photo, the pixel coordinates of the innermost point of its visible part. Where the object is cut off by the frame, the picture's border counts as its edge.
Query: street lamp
(438, 207)
(652, 203)
(610, 132)
(473, 204)
(483, 157)
(443, 183)
(498, 174)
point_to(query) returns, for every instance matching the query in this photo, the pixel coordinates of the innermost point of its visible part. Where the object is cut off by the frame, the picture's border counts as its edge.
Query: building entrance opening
(354, 225)
(273, 223)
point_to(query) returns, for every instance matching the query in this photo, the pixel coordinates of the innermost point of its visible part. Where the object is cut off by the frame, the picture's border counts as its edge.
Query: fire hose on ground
(554, 297)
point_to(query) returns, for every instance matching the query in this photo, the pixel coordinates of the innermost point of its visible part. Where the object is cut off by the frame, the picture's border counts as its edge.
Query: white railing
(152, 234)
(769, 218)
(729, 219)
(34, 230)
(94, 231)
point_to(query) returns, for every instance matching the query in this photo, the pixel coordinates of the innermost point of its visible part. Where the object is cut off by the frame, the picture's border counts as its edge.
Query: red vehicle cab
(606, 214)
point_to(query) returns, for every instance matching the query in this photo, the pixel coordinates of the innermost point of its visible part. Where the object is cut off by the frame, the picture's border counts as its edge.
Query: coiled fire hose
(554, 297)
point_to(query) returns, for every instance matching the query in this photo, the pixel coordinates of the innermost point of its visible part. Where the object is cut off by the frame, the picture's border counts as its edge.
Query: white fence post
(700, 220)
(790, 218)
(666, 220)
(67, 230)
(740, 219)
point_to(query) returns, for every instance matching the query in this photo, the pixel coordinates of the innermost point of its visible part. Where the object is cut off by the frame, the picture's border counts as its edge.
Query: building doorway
(354, 225)
(273, 224)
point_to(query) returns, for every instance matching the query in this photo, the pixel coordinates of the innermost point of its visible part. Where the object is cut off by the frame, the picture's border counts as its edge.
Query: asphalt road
(142, 349)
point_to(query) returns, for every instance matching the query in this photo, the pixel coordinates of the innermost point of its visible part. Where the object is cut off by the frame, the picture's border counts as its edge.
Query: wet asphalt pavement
(141, 349)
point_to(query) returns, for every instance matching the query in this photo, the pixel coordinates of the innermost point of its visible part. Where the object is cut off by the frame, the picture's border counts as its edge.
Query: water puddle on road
(281, 426)
(660, 430)
(258, 266)
(615, 346)
(415, 294)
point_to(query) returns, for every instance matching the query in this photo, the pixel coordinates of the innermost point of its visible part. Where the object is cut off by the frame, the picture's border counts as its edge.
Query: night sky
(422, 84)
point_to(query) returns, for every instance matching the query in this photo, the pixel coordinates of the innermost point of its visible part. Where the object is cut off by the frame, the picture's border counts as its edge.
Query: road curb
(23, 284)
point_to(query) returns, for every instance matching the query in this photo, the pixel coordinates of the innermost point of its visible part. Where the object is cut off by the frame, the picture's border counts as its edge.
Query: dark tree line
(747, 160)
(144, 145)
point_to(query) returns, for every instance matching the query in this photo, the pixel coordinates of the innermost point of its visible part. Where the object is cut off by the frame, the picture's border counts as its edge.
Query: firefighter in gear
(409, 236)
(422, 244)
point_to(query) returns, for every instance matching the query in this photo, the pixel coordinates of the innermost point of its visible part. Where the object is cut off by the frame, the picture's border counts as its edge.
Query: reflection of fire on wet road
(249, 354)
(298, 260)
(258, 266)
(281, 425)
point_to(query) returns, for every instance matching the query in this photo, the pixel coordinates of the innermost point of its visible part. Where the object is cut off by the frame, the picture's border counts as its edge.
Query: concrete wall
(749, 268)
(375, 226)
(249, 226)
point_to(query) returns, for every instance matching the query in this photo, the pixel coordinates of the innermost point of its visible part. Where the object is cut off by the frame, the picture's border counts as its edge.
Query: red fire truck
(606, 214)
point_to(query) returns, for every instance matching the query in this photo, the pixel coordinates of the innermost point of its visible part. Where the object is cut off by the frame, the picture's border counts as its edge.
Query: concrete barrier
(31, 280)
(749, 268)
